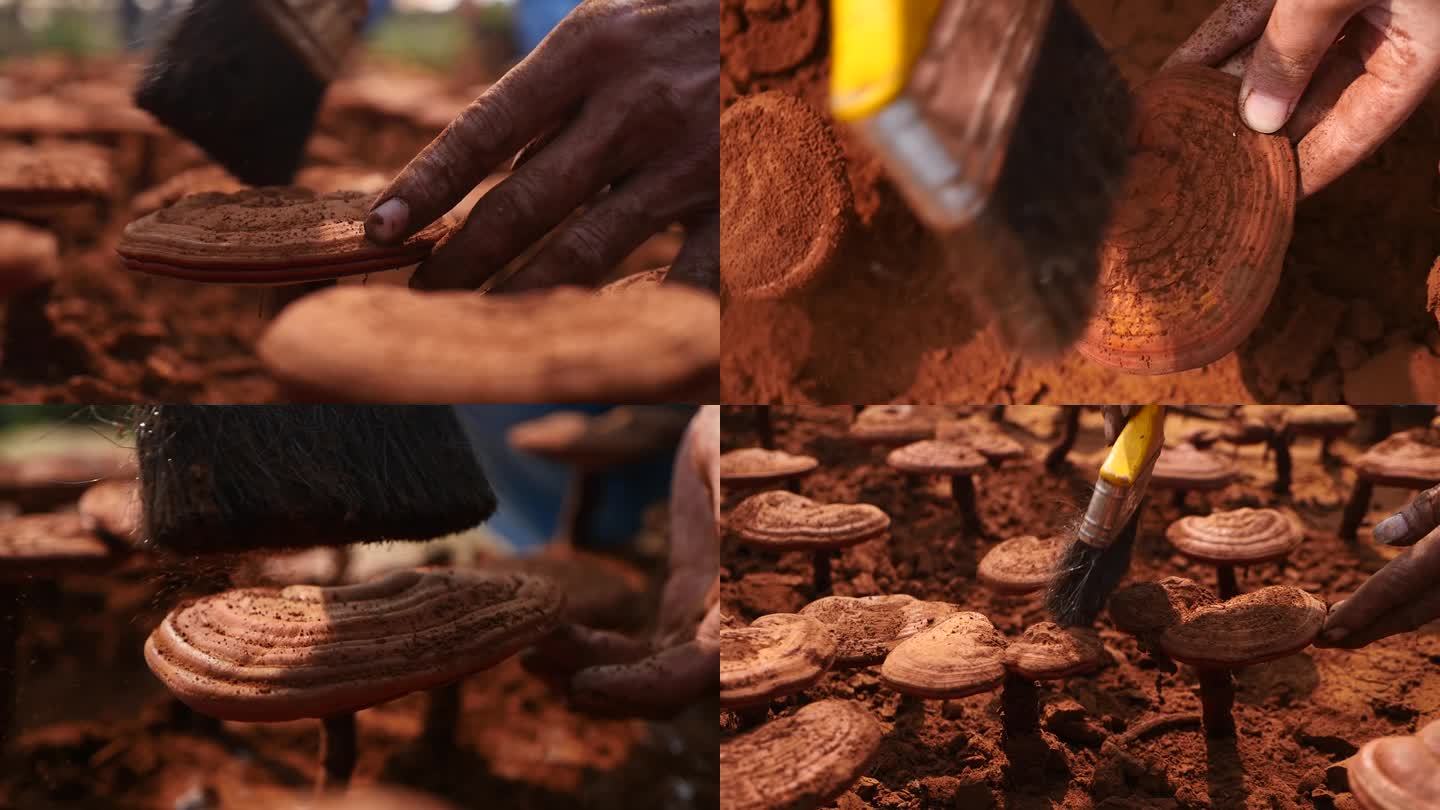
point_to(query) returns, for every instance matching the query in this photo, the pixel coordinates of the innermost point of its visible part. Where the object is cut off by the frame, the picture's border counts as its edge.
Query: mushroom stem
(1325, 450)
(1179, 500)
(1217, 698)
(337, 751)
(442, 717)
(764, 429)
(1070, 430)
(1225, 579)
(1356, 507)
(962, 489)
(1280, 443)
(822, 571)
(1020, 706)
(12, 622)
(581, 501)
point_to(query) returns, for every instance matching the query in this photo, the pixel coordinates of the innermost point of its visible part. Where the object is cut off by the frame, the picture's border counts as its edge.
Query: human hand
(1401, 596)
(609, 673)
(1339, 76)
(621, 94)
(1116, 417)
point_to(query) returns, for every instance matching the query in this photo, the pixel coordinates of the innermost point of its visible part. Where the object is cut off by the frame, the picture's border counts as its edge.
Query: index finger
(522, 104)
(1232, 26)
(1394, 587)
(1417, 519)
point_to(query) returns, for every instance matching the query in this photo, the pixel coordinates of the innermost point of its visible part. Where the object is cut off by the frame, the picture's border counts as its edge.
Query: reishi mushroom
(984, 437)
(1045, 652)
(1185, 468)
(803, 760)
(783, 521)
(1325, 422)
(957, 461)
(29, 258)
(867, 628)
(384, 344)
(1253, 628)
(758, 467)
(1407, 460)
(778, 654)
(1398, 773)
(1195, 247)
(307, 651)
(1021, 565)
(893, 424)
(51, 174)
(1238, 537)
(960, 656)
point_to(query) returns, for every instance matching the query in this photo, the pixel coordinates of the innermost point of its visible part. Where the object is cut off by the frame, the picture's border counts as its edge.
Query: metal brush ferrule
(1104, 516)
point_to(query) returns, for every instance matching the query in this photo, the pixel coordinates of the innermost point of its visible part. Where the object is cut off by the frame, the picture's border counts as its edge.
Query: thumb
(1295, 40)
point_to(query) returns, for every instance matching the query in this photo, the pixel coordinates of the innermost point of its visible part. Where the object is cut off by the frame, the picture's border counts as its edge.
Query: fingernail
(1264, 112)
(387, 221)
(1392, 529)
(1335, 635)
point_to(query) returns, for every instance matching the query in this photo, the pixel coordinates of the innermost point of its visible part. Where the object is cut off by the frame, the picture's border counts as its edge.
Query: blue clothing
(534, 19)
(531, 490)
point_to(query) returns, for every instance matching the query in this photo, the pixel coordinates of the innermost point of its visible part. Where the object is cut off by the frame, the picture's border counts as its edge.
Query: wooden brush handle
(321, 31)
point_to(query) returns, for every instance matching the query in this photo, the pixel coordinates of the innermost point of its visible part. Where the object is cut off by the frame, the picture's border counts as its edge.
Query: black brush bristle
(232, 478)
(1086, 576)
(227, 81)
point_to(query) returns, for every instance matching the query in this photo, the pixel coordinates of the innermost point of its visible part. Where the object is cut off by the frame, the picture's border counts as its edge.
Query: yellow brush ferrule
(1134, 447)
(875, 45)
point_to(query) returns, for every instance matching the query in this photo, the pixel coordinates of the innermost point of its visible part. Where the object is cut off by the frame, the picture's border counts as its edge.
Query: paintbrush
(243, 79)
(1098, 555)
(232, 478)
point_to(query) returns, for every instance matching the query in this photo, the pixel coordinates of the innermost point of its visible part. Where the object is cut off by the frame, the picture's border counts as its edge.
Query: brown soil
(1348, 319)
(1129, 736)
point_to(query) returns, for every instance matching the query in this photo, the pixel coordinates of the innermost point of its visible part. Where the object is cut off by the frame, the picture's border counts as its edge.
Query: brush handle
(321, 31)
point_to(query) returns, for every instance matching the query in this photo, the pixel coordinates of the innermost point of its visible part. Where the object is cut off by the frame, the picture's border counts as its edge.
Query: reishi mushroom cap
(867, 628)
(1243, 536)
(275, 654)
(49, 545)
(1404, 459)
(784, 521)
(618, 436)
(112, 508)
(962, 655)
(1021, 564)
(800, 761)
(1047, 652)
(1248, 629)
(267, 235)
(53, 173)
(936, 457)
(1147, 608)
(1186, 467)
(756, 466)
(1320, 420)
(386, 344)
(777, 655)
(29, 257)
(982, 436)
(1195, 248)
(894, 424)
(1398, 773)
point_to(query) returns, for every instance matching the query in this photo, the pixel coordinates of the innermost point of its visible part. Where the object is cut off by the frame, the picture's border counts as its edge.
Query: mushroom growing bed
(1130, 734)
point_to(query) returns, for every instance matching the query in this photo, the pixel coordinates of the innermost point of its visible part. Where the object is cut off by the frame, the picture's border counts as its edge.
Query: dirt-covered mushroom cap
(756, 466)
(784, 521)
(1327, 421)
(1243, 536)
(984, 437)
(1146, 608)
(267, 236)
(962, 655)
(618, 436)
(274, 654)
(53, 173)
(387, 344)
(1253, 424)
(777, 655)
(29, 257)
(936, 457)
(1398, 773)
(1186, 467)
(112, 508)
(1021, 564)
(800, 761)
(894, 424)
(50, 545)
(1249, 629)
(1409, 459)
(867, 628)
(1047, 652)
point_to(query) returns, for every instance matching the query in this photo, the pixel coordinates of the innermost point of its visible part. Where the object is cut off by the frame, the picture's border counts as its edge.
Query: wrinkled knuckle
(1291, 67)
(515, 202)
(584, 245)
(487, 120)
